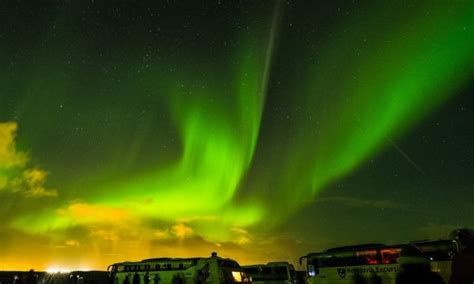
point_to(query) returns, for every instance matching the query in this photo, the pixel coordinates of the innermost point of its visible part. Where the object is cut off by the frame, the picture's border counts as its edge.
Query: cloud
(41, 192)
(32, 182)
(33, 177)
(72, 243)
(15, 174)
(9, 156)
(3, 182)
(198, 218)
(161, 234)
(242, 236)
(86, 213)
(182, 231)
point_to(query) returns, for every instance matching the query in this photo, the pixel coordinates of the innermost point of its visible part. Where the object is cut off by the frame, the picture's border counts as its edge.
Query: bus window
(277, 273)
(157, 267)
(251, 270)
(367, 257)
(337, 259)
(390, 256)
(265, 273)
(438, 250)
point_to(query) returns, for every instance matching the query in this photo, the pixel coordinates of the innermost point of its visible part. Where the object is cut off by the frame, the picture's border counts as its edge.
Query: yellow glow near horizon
(64, 270)
(55, 270)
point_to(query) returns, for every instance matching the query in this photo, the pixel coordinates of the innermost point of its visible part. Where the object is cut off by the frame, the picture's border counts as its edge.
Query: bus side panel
(342, 275)
(165, 277)
(387, 273)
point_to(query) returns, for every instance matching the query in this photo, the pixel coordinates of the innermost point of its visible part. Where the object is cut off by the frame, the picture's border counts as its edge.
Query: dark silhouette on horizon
(462, 267)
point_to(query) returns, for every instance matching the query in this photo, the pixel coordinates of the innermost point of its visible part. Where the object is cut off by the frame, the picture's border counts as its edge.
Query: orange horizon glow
(47, 264)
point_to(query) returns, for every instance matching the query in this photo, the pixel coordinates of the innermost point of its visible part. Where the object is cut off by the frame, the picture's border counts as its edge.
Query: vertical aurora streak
(374, 97)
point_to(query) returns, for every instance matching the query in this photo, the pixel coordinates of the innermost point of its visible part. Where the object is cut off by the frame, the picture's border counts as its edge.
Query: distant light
(55, 270)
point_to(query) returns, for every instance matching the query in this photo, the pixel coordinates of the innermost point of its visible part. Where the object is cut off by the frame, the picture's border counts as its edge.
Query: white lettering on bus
(367, 270)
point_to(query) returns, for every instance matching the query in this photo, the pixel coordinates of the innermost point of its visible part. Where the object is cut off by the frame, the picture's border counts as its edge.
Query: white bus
(271, 273)
(371, 261)
(198, 270)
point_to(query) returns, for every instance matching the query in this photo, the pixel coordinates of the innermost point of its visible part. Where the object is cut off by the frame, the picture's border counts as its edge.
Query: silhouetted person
(415, 268)
(16, 279)
(146, 278)
(156, 279)
(72, 279)
(112, 278)
(177, 280)
(31, 278)
(136, 278)
(357, 278)
(127, 279)
(374, 278)
(462, 268)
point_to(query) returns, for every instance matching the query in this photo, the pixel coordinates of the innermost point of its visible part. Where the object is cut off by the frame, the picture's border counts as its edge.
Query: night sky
(263, 130)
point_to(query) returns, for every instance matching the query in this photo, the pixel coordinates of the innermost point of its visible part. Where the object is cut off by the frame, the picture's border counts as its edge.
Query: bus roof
(279, 263)
(161, 259)
(424, 245)
(164, 259)
(273, 263)
(173, 260)
(431, 241)
(356, 247)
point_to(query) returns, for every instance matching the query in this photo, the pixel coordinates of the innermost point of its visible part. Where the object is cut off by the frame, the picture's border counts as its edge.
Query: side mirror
(301, 260)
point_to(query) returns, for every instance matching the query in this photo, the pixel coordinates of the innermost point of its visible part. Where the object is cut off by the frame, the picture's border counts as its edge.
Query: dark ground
(88, 277)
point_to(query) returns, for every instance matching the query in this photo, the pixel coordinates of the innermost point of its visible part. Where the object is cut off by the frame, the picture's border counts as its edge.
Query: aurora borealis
(261, 130)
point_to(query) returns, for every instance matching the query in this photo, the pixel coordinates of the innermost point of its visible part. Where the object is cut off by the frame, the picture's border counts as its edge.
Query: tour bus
(271, 273)
(370, 261)
(197, 270)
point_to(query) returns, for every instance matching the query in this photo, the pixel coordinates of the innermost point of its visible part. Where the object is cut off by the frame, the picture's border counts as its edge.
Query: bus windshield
(438, 250)
(266, 273)
(228, 263)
